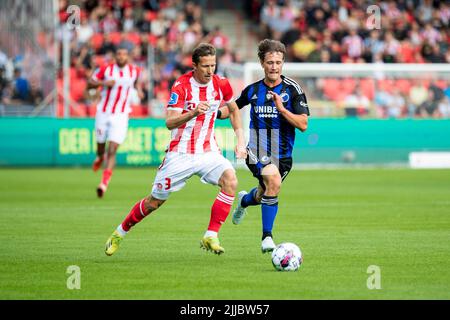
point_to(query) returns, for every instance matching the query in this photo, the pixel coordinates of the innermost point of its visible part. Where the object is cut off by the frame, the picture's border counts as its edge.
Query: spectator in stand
(269, 14)
(303, 47)
(429, 108)
(3, 83)
(430, 34)
(84, 31)
(219, 40)
(373, 45)
(21, 87)
(391, 48)
(128, 22)
(406, 52)
(412, 28)
(444, 106)
(397, 105)
(36, 95)
(107, 45)
(356, 104)
(418, 94)
(382, 101)
(353, 46)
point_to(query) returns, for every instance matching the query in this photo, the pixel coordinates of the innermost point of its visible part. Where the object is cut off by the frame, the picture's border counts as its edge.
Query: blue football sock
(269, 208)
(249, 198)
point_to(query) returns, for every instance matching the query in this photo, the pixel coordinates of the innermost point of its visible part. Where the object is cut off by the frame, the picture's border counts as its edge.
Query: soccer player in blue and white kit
(278, 107)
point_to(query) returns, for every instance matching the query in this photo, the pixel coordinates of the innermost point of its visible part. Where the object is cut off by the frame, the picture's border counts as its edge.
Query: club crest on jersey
(173, 98)
(284, 97)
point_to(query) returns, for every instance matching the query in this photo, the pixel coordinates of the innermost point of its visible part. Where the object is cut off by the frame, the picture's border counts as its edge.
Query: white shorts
(111, 127)
(176, 168)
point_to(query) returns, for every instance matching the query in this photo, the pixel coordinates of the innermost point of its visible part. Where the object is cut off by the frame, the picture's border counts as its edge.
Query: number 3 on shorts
(167, 185)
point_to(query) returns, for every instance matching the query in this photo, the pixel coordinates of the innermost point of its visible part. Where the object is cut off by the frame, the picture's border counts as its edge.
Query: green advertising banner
(67, 142)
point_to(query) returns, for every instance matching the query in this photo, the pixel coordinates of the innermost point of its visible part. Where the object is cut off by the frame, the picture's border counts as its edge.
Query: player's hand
(240, 151)
(201, 108)
(109, 83)
(277, 99)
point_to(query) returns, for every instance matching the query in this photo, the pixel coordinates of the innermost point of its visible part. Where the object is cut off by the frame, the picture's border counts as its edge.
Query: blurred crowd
(409, 31)
(170, 29)
(344, 31)
(15, 87)
(162, 33)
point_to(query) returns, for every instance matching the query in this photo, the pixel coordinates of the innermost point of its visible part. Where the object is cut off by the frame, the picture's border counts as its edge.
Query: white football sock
(120, 230)
(210, 233)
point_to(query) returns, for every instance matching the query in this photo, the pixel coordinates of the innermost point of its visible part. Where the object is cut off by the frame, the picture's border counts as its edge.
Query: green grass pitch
(343, 220)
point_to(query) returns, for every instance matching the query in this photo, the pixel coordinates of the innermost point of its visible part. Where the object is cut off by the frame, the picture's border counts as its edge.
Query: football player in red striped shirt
(191, 112)
(118, 80)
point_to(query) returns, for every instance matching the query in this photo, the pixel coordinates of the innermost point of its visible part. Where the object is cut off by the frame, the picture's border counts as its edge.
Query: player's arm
(175, 118)
(242, 101)
(298, 119)
(98, 79)
(236, 123)
(103, 83)
(139, 86)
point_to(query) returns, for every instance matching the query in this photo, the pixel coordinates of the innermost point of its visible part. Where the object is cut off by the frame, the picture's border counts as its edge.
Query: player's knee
(229, 181)
(273, 185)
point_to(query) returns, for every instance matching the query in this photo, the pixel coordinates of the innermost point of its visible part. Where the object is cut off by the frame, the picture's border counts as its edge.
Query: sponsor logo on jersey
(255, 97)
(173, 98)
(266, 111)
(303, 104)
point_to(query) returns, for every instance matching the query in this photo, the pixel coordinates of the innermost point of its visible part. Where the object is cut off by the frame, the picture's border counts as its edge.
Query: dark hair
(202, 50)
(267, 45)
(121, 47)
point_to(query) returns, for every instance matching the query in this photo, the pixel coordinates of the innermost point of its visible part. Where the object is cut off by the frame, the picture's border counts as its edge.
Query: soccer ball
(287, 257)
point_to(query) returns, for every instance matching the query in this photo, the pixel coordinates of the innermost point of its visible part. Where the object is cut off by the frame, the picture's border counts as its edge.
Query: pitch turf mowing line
(343, 220)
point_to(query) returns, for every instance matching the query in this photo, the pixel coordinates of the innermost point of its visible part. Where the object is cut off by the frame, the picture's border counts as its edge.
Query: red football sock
(107, 173)
(136, 215)
(220, 210)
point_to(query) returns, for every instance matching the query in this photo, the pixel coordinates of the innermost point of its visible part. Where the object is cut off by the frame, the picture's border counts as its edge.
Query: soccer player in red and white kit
(118, 80)
(191, 112)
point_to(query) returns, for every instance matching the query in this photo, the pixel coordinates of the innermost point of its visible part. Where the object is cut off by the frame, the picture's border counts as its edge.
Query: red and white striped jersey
(197, 135)
(116, 99)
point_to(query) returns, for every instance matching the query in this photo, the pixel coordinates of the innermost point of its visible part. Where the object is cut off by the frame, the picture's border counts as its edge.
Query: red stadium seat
(97, 41)
(387, 85)
(348, 85)
(368, 88)
(138, 111)
(403, 85)
(115, 37)
(331, 88)
(77, 88)
(441, 84)
(78, 111)
(99, 60)
(152, 39)
(134, 37)
(150, 15)
(91, 110)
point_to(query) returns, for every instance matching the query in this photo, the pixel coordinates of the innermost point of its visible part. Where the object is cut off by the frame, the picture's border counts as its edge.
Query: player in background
(278, 106)
(191, 113)
(117, 80)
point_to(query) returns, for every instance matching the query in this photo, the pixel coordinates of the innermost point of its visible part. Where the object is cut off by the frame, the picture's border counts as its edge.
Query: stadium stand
(314, 31)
